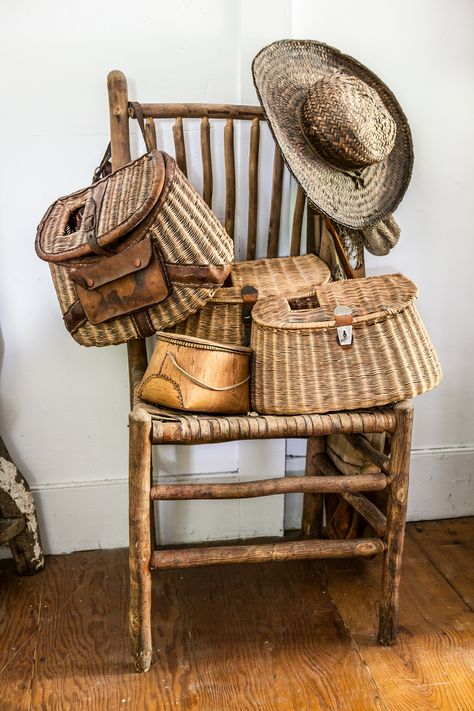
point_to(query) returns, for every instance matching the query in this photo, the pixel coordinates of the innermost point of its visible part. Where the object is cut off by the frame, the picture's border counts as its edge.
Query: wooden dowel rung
(180, 148)
(265, 552)
(150, 132)
(295, 248)
(253, 189)
(206, 161)
(275, 207)
(270, 487)
(229, 176)
(368, 510)
(370, 453)
(199, 110)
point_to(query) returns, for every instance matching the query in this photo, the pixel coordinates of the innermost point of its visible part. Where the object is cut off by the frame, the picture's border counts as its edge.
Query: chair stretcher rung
(221, 555)
(270, 487)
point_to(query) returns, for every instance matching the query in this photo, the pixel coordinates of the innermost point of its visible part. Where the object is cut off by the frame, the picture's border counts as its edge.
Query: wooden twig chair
(150, 426)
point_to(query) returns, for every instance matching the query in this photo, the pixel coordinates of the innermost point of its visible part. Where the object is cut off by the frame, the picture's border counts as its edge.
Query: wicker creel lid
(341, 130)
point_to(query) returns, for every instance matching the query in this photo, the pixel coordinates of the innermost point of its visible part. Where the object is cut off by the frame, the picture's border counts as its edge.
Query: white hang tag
(343, 316)
(344, 335)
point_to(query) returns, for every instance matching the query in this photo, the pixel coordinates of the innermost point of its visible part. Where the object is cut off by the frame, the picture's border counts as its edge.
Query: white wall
(63, 407)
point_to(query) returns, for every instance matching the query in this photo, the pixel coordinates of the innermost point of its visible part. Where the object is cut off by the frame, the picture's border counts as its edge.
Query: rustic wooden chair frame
(148, 427)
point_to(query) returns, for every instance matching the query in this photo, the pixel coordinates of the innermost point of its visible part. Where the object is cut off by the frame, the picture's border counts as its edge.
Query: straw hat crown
(347, 123)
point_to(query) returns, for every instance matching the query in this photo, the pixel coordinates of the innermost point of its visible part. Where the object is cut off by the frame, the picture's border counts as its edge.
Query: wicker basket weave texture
(299, 366)
(221, 318)
(184, 219)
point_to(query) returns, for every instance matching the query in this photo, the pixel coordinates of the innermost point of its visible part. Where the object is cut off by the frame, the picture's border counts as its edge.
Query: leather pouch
(123, 283)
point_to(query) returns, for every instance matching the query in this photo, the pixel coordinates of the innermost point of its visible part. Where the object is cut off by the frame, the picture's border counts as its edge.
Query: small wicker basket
(299, 365)
(221, 319)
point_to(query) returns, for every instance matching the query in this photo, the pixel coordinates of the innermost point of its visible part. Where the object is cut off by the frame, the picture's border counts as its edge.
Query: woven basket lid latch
(343, 317)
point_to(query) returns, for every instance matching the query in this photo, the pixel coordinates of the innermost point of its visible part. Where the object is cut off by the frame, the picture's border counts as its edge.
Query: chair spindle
(180, 148)
(253, 189)
(275, 207)
(206, 160)
(297, 222)
(150, 133)
(229, 176)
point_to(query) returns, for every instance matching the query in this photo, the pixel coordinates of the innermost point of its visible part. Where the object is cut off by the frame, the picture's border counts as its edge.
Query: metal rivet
(90, 282)
(137, 262)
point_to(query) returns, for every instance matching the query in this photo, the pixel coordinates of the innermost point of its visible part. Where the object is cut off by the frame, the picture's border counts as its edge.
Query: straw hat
(341, 131)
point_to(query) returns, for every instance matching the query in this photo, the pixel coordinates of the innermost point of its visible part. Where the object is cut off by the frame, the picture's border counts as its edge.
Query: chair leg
(140, 539)
(312, 522)
(396, 515)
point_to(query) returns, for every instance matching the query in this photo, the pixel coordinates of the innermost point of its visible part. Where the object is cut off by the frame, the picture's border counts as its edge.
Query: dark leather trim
(143, 325)
(118, 265)
(74, 317)
(191, 275)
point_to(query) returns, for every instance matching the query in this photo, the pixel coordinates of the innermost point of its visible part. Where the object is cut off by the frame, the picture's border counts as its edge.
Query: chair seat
(174, 427)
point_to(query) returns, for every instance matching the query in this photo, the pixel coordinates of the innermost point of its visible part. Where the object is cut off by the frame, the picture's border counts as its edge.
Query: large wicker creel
(133, 253)
(300, 367)
(221, 319)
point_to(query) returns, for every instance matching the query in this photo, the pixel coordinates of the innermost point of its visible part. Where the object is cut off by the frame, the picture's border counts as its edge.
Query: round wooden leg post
(313, 503)
(396, 515)
(140, 539)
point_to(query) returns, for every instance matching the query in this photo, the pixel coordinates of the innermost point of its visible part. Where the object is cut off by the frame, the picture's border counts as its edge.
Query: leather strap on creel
(139, 115)
(90, 219)
(188, 275)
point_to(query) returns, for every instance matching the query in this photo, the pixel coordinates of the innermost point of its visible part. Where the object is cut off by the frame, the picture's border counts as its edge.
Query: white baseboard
(441, 485)
(93, 514)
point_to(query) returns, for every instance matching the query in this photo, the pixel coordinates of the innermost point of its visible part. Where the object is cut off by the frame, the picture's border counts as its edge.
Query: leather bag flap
(106, 270)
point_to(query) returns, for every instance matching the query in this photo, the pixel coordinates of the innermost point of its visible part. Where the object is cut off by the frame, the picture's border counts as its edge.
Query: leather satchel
(134, 253)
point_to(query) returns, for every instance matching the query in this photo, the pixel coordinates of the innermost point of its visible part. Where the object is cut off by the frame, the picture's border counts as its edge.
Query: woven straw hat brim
(283, 72)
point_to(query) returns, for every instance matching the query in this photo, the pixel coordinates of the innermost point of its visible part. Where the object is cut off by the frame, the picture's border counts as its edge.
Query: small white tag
(344, 335)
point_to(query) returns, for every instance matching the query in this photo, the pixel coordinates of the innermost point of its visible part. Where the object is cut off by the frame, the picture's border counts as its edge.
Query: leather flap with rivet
(122, 284)
(118, 265)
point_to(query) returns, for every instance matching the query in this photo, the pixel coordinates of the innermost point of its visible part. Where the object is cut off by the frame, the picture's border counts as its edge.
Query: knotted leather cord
(199, 382)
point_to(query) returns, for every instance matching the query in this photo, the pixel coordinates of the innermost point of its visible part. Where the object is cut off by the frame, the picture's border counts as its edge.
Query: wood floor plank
(224, 637)
(263, 632)
(430, 667)
(235, 638)
(20, 613)
(450, 547)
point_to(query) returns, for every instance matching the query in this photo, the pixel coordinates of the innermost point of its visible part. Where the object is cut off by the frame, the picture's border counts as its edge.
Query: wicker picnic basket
(133, 253)
(299, 365)
(221, 319)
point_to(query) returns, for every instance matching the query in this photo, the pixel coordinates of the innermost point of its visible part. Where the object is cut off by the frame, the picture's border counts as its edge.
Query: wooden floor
(277, 636)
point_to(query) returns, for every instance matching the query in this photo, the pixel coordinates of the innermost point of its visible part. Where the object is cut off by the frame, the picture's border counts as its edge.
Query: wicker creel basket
(221, 319)
(299, 365)
(133, 253)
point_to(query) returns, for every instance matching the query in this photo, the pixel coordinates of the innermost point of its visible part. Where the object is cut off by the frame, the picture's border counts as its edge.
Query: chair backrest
(209, 116)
